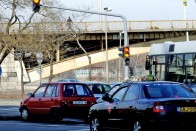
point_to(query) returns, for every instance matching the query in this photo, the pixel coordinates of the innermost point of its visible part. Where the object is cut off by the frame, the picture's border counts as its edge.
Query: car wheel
(137, 126)
(25, 114)
(95, 125)
(56, 115)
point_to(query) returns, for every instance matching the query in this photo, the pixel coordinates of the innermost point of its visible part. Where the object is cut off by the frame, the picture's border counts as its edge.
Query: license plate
(79, 102)
(186, 109)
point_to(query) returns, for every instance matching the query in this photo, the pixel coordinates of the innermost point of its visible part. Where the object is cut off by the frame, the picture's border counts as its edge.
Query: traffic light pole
(126, 43)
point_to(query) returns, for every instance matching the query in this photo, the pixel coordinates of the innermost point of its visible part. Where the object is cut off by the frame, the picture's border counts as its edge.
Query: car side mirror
(107, 97)
(30, 95)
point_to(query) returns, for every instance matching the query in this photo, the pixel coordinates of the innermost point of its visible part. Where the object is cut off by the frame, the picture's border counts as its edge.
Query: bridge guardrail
(112, 26)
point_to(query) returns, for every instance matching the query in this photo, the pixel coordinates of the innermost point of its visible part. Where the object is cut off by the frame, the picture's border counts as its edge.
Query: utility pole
(185, 18)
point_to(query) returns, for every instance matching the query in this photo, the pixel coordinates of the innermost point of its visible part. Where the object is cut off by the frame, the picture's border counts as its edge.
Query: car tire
(137, 126)
(95, 125)
(56, 115)
(25, 115)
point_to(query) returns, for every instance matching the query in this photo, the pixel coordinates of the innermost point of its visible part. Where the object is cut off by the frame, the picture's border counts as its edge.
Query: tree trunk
(21, 76)
(90, 67)
(51, 69)
(89, 58)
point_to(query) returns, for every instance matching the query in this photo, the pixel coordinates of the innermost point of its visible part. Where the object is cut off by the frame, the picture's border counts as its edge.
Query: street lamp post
(119, 64)
(185, 18)
(126, 40)
(100, 16)
(39, 57)
(106, 9)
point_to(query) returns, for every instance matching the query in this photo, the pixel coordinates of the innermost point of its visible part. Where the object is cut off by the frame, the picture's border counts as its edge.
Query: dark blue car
(145, 106)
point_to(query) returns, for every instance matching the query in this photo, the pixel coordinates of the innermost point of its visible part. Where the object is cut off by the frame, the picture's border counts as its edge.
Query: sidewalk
(9, 109)
(10, 102)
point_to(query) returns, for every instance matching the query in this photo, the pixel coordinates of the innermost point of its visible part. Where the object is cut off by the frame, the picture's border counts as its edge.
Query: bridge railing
(111, 26)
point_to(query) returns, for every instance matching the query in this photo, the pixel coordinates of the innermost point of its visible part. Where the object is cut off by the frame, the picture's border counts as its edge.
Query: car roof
(148, 82)
(64, 83)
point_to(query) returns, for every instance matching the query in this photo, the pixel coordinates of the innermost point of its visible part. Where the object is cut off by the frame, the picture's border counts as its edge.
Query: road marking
(11, 109)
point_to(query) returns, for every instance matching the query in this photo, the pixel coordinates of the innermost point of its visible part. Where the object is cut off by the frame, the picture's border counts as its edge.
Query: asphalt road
(10, 121)
(42, 126)
(9, 112)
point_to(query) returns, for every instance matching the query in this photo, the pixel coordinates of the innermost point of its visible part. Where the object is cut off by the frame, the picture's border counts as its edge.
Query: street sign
(39, 57)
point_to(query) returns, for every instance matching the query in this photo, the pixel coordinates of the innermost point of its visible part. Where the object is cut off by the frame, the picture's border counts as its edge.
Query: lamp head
(107, 9)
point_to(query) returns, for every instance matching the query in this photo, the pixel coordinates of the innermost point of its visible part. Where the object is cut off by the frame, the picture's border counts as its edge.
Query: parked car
(145, 106)
(113, 89)
(57, 101)
(68, 80)
(98, 88)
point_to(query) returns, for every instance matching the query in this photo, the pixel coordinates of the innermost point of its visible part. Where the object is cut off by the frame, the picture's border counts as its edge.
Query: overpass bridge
(137, 30)
(94, 32)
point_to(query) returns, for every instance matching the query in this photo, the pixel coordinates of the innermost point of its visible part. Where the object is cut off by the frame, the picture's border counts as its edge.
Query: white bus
(173, 61)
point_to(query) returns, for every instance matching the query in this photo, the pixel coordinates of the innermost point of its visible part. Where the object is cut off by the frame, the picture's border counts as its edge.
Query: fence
(86, 27)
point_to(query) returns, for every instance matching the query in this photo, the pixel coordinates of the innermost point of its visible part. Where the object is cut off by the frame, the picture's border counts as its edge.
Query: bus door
(158, 67)
(156, 64)
(159, 71)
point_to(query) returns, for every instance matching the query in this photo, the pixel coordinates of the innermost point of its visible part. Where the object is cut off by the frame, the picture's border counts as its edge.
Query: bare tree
(75, 31)
(14, 34)
(18, 45)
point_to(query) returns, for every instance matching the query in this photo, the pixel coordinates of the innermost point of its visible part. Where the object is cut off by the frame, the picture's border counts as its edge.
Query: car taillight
(158, 107)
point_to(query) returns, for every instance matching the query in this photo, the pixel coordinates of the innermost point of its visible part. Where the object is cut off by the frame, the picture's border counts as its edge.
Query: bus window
(179, 60)
(188, 60)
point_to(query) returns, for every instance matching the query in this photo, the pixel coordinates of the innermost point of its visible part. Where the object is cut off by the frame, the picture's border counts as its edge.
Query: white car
(98, 88)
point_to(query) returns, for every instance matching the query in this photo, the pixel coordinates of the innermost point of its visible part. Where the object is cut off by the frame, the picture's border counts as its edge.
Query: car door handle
(51, 99)
(39, 99)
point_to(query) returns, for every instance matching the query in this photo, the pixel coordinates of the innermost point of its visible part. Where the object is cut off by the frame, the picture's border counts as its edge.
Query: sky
(139, 9)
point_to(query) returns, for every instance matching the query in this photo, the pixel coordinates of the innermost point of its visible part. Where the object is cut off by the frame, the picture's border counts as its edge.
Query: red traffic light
(126, 52)
(36, 2)
(36, 5)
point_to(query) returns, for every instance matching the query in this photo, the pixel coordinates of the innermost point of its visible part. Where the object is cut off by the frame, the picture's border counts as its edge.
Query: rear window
(166, 90)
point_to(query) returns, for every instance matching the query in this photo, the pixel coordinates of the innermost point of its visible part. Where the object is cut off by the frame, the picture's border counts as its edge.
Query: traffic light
(36, 5)
(185, 2)
(121, 54)
(126, 55)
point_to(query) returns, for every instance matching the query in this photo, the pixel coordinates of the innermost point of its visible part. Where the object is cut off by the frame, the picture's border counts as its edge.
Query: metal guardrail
(90, 27)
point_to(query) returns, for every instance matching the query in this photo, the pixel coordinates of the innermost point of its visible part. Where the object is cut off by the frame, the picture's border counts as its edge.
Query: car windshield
(114, 88)
(167, 90)
(193, 88)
